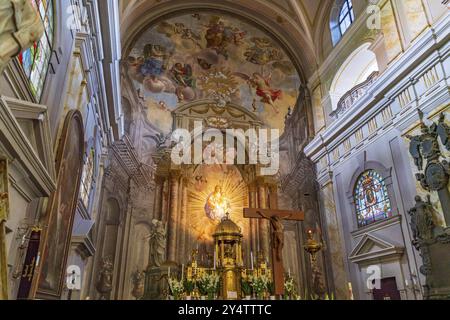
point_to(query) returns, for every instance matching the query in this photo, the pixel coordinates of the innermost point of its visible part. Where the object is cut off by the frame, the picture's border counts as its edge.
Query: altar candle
(289, 272)
(251, 259)
(168, 272)
(182, 272)
(214, 260)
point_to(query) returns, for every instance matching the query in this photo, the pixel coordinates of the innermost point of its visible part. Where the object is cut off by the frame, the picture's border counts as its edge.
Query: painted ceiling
(212, 56)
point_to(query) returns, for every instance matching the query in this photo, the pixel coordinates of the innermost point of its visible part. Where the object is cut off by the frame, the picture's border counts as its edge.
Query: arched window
(35, 61)
(346, 16)
(342, 16)
(371, 199)
(87, 178)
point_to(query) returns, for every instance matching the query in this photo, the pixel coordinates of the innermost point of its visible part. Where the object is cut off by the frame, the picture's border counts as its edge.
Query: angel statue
(20, 27)
(263, 89)
(157, 243)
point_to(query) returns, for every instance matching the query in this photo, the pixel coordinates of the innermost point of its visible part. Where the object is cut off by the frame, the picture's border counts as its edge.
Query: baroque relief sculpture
(20, 28)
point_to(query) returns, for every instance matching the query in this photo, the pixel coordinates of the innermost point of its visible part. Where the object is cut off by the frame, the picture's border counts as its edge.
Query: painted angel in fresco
(154, 60)
(262, 52)
(170, 30)
(183, 77)
(218, 36)
(263, 88)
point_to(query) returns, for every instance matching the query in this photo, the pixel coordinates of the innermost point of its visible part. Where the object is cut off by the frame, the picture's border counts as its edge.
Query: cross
(276, 218)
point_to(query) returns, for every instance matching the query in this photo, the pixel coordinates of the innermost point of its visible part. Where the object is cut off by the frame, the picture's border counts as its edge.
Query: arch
(357, 68)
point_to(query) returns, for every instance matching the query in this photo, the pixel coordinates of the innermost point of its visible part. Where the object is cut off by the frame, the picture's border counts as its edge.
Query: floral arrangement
(289, 286)
(176, 288)
(209, 284)
(260, 284)
(246, 287)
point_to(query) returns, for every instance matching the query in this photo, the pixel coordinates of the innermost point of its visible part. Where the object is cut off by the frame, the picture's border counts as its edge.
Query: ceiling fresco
(211, 56)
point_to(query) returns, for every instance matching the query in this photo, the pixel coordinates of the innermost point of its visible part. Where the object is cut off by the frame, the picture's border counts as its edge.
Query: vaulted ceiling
(294, 23)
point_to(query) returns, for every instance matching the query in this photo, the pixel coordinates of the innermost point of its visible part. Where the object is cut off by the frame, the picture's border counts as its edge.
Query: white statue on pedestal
(20, 27)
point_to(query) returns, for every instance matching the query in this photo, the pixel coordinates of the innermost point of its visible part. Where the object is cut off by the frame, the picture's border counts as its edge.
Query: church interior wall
(323, 152)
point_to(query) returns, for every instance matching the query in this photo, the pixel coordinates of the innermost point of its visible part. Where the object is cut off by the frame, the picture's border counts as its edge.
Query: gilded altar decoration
(4, 212)
(217, 205)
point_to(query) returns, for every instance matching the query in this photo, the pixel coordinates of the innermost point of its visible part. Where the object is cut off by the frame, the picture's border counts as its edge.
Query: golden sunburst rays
(234, 189)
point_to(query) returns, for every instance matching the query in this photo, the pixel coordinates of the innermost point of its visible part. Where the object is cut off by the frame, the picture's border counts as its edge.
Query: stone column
(157, 207)
(264, 231)
(183, 225)
(172, 221)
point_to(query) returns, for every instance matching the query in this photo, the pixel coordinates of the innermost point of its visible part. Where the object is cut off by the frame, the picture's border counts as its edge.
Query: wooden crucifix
(276, 218)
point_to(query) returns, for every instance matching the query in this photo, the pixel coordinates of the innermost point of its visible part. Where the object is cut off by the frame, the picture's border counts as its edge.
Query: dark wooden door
(388, 290)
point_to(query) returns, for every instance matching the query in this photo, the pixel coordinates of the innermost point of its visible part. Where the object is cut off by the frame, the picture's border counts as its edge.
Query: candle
(251, 259)
(182, 272)
(168, 272)
(406, 282)
(289, 272)
(214, 260)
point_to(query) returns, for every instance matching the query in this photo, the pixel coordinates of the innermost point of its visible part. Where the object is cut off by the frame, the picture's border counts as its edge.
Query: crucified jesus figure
(277, 232)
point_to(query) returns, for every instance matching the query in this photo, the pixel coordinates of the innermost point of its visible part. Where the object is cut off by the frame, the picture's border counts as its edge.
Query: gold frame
(73, 118)
(4, 213)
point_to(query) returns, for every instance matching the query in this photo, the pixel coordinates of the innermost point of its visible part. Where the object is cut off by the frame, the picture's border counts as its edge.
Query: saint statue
(217, 205)
(105, 279)
(20, 27)
(157, 239)
(422, 224)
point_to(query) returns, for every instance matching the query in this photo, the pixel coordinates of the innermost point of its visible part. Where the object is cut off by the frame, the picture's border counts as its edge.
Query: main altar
(228, 279)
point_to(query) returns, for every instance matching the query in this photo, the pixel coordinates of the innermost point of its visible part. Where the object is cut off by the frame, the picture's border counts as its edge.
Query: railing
(352, 96)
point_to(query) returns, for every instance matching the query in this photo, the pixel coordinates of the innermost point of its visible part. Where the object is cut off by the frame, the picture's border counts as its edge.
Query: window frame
(349, 14)
(361, 222)
(37, 86)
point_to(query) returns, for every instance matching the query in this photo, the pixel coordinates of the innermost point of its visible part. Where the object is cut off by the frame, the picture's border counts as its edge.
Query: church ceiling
(211, 55)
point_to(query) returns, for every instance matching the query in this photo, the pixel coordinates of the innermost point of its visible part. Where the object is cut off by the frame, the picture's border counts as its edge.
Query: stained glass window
(371, 199)
(87, 178)
(35, 61)
(346, 16)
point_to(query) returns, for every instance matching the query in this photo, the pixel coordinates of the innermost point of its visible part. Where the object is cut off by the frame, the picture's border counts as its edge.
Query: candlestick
(182, 272)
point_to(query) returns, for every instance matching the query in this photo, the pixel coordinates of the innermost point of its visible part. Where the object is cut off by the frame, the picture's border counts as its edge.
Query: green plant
(189, 286)
(246, 287)
(271, 288)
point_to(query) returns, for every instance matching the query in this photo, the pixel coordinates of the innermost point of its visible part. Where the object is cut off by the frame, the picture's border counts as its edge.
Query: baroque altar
(233, 279)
